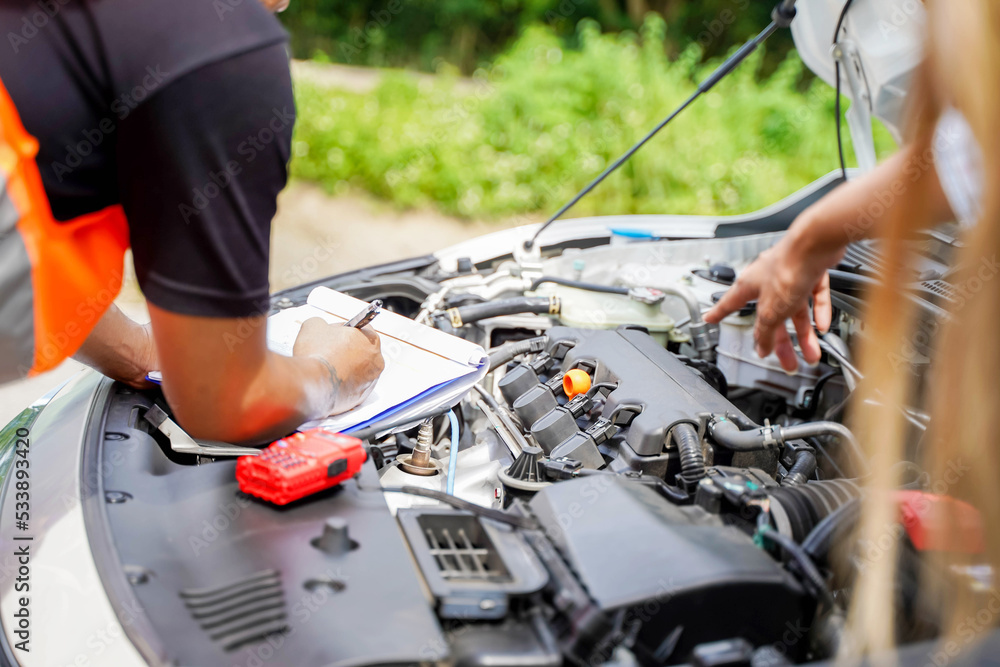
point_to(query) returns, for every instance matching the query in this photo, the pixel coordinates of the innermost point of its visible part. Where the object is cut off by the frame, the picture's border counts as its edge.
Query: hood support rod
(781, 17)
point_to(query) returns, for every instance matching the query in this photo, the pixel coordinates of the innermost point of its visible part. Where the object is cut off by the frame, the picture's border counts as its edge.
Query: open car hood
(879, 47)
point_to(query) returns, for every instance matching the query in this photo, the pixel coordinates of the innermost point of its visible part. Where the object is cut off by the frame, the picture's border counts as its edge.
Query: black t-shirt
(179, 110)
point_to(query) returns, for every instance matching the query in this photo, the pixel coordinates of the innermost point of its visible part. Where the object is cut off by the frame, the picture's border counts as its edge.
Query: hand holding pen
(364, 318)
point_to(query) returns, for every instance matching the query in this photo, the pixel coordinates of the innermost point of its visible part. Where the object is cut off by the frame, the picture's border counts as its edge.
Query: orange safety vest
(56, 278)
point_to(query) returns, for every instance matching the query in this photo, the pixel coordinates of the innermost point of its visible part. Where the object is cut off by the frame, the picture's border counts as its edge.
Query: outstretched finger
(808, 341)
(785, 351)
(767, 324)
(822, 304)
(734, 298)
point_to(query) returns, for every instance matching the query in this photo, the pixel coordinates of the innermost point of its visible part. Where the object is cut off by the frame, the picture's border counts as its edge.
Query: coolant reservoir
(596, 310)
(738, 361)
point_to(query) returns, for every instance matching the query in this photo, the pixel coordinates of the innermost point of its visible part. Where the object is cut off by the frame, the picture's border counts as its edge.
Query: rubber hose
(729, 435)
(838, 430)
(521, 304)
(805, 564)
(508, 351)
(590, 287)
(689, 447)
(803, 468)
(671, 493)
(830, 531)
(841, 281)
(741, 420)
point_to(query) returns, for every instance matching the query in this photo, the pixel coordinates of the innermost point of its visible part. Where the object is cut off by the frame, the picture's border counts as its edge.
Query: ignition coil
(582, 445)
(523, 377)
(557, 425)
(539, 400)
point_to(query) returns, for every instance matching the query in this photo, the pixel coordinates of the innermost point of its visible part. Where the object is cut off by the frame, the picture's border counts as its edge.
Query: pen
(365, 317)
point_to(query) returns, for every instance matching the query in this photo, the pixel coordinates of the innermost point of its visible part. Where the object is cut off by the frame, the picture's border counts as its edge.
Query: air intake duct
(795, 510)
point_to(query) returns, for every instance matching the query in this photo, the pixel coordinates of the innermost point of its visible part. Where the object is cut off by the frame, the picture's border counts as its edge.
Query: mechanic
(165, 126)
(946, 172)
(787, 275)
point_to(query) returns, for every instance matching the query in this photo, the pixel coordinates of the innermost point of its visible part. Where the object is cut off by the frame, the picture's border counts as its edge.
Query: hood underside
(879, 46)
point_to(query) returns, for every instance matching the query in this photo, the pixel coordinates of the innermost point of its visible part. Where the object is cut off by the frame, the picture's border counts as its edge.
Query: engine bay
(627, 485)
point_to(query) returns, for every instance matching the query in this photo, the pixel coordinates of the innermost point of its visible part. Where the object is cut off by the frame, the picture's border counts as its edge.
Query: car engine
(626, 485)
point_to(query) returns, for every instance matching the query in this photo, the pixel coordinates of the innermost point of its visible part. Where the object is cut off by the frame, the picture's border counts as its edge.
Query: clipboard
(425, 368)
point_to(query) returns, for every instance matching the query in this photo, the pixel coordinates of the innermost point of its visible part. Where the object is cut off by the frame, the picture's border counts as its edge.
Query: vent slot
(942, 288)
(862, 258)
(462, 550)
(242, 612)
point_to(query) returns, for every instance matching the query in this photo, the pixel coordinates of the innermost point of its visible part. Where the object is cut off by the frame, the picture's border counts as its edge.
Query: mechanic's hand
(354, 357)
(782, 280)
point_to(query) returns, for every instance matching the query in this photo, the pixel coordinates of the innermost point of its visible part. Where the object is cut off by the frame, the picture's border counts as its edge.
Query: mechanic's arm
(787, 275)
(237, 391)
(224, 384)
(120, 348)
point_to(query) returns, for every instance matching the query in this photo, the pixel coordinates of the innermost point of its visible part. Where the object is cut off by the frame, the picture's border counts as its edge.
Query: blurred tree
(427, 34)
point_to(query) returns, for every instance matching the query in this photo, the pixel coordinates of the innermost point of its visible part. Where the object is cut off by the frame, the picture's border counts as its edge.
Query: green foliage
(545, 120)
(467, 33)
(425, 33)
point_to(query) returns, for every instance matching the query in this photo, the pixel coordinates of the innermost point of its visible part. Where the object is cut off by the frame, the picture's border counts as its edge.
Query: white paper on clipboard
(424, 367)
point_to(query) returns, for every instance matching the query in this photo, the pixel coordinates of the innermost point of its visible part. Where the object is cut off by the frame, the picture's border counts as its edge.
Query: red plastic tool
(300, 465)
(941, 523)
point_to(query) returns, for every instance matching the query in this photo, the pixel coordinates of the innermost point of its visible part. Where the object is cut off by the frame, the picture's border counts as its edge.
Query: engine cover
(647, 375)
(677, 571)
(650, 376)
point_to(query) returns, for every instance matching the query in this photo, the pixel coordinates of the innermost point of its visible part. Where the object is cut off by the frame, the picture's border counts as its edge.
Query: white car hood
(881, 43)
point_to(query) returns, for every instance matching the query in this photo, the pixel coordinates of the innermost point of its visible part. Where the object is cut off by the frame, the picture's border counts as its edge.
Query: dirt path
(315, 235)
(359, 79)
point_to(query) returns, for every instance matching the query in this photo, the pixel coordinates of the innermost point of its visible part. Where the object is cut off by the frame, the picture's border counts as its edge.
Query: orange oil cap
(576, 381)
